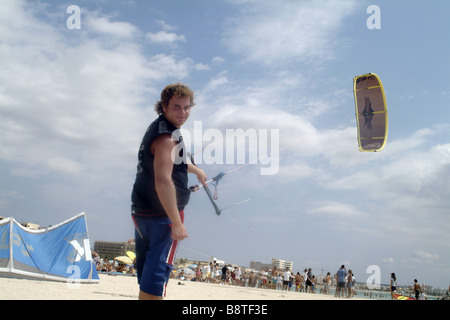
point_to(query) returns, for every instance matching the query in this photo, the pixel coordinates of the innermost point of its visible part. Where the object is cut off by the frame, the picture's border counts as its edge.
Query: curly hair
(178, 89)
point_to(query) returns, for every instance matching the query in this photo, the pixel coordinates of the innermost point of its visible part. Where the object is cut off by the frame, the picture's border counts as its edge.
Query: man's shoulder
(164, 126)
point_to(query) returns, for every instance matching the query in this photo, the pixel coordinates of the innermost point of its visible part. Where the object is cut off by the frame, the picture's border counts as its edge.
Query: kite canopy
(371, 112)
(60, 253)
(401, 297)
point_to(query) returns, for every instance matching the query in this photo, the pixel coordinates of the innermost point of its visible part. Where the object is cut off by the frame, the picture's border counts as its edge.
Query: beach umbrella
(193, 266)
(124, 259)
(131, 254)
(187, 271)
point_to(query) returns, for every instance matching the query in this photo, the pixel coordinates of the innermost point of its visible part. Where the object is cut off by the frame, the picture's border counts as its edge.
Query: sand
(126, 288)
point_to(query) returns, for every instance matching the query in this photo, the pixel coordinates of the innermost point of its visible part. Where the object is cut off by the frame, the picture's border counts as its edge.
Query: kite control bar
(218, 211)
(214, 181)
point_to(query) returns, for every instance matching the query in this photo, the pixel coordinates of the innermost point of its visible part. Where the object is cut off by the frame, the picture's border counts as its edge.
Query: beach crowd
(274, 278)
(343, 282)
(114, 265)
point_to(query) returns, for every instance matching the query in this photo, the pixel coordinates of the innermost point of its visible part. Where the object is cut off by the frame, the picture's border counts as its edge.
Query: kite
(212, 198)
(371, 112)
(401, 297)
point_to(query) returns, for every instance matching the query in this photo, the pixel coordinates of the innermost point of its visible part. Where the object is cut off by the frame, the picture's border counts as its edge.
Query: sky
(77, 93)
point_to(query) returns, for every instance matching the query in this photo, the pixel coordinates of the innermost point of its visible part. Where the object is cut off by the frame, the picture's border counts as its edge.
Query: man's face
(178, 110)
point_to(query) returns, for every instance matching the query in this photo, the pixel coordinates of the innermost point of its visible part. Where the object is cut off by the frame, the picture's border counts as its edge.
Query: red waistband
(155, 215)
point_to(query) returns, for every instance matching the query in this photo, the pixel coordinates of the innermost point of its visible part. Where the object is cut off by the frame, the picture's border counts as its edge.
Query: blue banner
(4, 243)
(61, 252)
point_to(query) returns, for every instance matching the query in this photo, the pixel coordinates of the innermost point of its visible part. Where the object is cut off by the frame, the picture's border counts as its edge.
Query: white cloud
(103, 25)
(201, 67)
(420, 257)
(217, 82)
(218, 59)
(65, 165)
(74, 107)
(274, 33)
(336, 209)
(165, 26)
(389, 260)
(297, 170)
(426, 256)
(165, 37)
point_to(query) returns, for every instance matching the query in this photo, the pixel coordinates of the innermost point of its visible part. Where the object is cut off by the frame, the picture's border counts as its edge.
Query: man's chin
(179, 123)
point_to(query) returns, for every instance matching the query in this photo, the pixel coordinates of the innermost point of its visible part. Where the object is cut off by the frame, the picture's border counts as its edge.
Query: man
(237, 275)
(305, 277)
(417, 289)
(286, 279)
(160, 191)
(341, 274)
(309, 282)
(224, 274)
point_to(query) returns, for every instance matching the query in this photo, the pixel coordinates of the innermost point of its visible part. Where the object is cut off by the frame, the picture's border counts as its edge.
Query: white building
(282, 264)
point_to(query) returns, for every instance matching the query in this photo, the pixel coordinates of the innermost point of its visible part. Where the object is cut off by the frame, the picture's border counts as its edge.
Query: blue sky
(75, 103)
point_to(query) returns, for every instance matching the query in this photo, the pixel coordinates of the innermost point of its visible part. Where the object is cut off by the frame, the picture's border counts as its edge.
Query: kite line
(214, 181)
(210, 196)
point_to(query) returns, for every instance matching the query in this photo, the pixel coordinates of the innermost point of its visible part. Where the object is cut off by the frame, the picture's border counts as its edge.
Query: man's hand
(201, 175)
(179, 232)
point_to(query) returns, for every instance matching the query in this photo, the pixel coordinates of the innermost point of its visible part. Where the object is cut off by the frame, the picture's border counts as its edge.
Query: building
(113, 249)
(28, 225)
(282, 264)
(260, 266)
(221, 263)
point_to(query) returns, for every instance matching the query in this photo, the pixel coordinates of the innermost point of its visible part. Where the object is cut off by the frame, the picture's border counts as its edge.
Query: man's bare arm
(163, 166)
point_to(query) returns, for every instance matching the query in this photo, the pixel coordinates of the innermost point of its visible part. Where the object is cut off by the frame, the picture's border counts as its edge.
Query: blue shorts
(155, 253)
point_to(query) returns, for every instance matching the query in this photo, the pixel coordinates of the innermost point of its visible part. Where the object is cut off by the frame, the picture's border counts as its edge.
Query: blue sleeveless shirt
(145, 201)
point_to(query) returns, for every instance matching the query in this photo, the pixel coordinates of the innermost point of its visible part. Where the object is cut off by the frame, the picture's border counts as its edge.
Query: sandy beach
(126, 288)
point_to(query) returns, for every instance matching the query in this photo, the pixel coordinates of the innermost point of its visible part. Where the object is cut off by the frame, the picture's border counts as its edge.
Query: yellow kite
(371, 112)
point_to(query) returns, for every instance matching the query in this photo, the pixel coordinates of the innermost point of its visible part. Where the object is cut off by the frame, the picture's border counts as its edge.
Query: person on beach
(208, 272)
(286, 276)
(160, 192)
(350, 284)
(327, 282)
(298, 280)
(291, 281)
(198, 273)
(224, 274)
(313, 281)
(279, 282)
(417, 289)
(274, 276)
(305, 276)
(393, 285)
(251, 279)
(340, 277)
(309, 281)
(264, 280)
